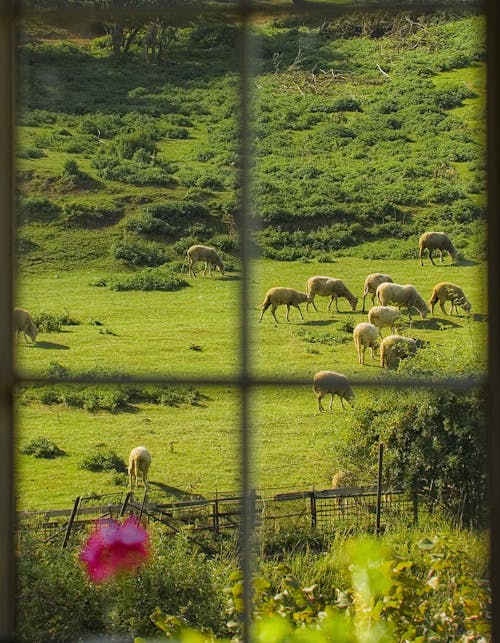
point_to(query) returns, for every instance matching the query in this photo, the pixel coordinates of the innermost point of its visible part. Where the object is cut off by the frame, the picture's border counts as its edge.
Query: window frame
(9, 379)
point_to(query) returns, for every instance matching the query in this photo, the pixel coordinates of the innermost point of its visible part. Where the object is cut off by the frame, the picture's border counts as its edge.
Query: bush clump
(137, 252)
(42, 448)
(53, 322)
(162, 278)
(103, 461)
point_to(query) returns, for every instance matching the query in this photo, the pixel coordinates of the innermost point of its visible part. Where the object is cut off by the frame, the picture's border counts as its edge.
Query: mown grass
(195, 332)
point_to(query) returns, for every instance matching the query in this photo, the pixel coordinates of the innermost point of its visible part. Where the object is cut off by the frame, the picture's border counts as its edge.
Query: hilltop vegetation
(366, 132)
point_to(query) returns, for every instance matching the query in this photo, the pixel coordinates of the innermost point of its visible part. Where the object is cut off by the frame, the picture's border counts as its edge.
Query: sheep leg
(430, 257)
(341, 401)
(314, 305)
(273, 309)
(264, 308)
(300, 312)
(331, 402)
(320, 407)
(363, 308)
(441, 303)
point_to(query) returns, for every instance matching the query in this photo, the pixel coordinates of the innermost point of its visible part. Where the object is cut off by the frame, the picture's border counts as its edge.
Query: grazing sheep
(371, 283)
(329, 382)
(395, 348)
(329, 287)
(436, 241)
(342, 479)
(24, 323)
(445, 291)
(365, 335)
(138, 465)
(402, 295)
(283, 297)
(203, 253)
(384, 316)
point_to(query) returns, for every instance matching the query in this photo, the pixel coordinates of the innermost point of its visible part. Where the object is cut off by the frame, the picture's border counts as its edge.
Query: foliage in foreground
(404, 587)
(437, 447)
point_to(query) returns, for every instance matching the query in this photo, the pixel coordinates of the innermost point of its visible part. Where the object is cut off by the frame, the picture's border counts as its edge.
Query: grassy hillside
(364, 130)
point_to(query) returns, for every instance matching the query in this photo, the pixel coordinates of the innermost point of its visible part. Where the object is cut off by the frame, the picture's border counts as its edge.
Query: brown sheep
(138, 465)
(394, 348)
(371, 284)
(436, 241)
(24, 323)
(445, 291)
(365, 336)
(279, 296)
(329, 287)
(402, 295)
(330, 382)
(203, 253)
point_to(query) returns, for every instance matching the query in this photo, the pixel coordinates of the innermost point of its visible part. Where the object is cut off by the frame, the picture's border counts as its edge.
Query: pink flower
(114, 547)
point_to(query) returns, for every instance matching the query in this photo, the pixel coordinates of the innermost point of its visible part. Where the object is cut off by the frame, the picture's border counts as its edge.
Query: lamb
(330, 382)
(371, 283)
(395, 348)
(203, 253)
(138, 465)
(279, 296)
(446, 291)
(384, 316)
(329, 287)
(436, 241)
(402, 295)
(23, 322)
(365, 336)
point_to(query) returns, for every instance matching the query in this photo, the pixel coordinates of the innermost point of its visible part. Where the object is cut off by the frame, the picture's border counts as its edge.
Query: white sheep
(402, 295)
(344, 478)
(436, 241)
(24, 323)
(203, 253)
(329, 287)
(384, 317)
(446, 291)
(371, 283)
(332, 383)
(279, 296)
(138, 465)
(365, 335)
(395, 348)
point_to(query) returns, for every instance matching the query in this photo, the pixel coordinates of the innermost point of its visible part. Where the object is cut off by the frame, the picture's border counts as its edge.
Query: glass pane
(370, 150)
(123, 167)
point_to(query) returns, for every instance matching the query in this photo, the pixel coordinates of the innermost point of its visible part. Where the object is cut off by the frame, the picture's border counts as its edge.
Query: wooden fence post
(71, 521)
(314, 516)
(125, 503)
(215, 515)
(379, 486)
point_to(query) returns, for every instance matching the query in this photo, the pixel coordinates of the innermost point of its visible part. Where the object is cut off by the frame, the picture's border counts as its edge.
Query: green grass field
(195, 332)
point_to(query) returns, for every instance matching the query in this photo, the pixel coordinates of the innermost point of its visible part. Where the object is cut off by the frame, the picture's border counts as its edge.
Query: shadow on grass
(434, 323)
(180, 494)
(51, 346)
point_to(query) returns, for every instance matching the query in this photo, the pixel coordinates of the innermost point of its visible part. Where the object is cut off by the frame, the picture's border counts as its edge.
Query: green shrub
(146, 223)
(38, 209)
(42, 448)
(162, 278)
(30, 153)
(90, 215)
(437, 447)
(139, 253)
(103, 461)
(53, 322)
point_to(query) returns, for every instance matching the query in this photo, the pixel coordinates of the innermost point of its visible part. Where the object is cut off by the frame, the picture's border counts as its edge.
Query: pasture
(195, 333)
